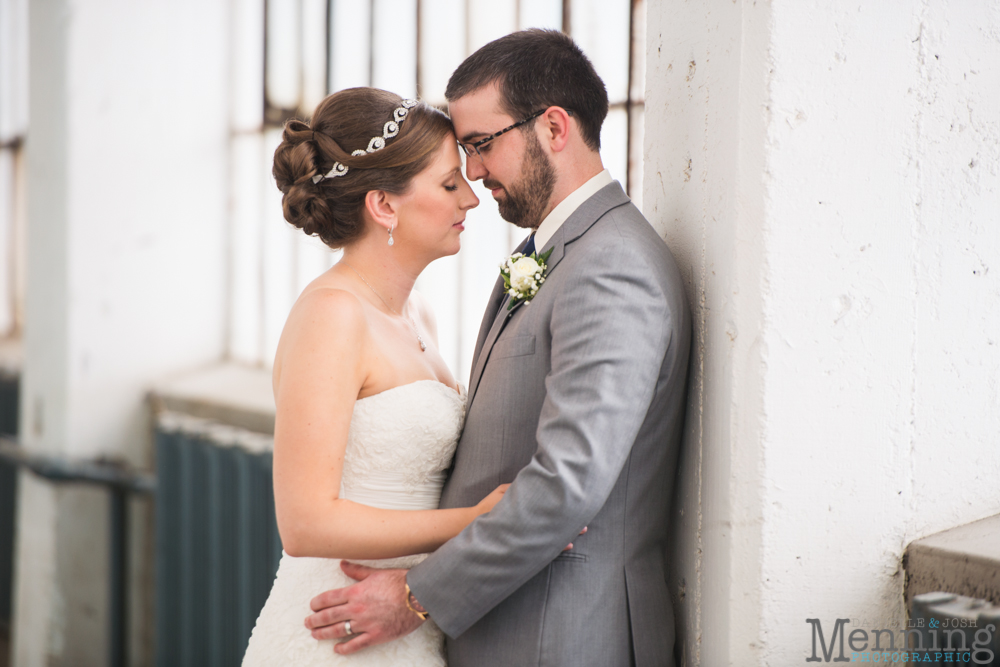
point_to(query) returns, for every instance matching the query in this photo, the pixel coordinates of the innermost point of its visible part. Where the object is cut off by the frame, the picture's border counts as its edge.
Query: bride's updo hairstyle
(345, 122)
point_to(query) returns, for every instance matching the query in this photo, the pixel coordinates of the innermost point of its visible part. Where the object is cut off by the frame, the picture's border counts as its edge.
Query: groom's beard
(527, 199)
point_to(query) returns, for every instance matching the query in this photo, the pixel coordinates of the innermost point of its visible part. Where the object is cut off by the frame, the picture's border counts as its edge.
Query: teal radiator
(217, 547)
(9, 391)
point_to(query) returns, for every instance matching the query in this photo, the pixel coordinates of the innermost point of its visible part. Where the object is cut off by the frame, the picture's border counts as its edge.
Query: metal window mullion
(329, 46)
(275, 113)
(628, 96)
(417, 74)
(371, 42)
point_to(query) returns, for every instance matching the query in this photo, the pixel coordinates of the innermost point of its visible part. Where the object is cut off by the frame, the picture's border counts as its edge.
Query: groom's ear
(556, 126)
(381, 208)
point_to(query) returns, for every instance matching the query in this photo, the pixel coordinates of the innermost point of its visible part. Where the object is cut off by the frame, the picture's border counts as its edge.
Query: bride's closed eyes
(452, 178)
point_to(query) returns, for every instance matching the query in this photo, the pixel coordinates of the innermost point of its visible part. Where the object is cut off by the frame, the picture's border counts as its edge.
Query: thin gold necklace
(409, 320)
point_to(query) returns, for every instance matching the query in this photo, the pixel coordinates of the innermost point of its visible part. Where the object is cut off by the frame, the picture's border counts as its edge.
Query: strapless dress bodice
(399, 446)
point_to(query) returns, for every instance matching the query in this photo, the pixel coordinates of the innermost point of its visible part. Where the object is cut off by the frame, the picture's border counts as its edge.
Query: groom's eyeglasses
(472, 149)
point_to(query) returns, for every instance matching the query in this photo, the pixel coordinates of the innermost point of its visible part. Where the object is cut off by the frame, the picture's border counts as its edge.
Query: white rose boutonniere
(523, 275)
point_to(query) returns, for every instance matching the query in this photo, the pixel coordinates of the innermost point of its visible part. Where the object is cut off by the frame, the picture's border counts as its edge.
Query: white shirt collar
(557, 216)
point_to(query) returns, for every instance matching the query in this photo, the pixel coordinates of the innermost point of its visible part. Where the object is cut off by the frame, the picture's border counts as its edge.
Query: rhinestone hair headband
(389, 130)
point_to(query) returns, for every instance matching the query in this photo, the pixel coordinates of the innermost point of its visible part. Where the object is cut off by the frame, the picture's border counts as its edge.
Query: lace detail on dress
(400, 443)
(406, 431)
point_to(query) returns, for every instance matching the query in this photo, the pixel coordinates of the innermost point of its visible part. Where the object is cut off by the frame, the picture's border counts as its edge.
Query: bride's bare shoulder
(325, 317)
(326, 310)
(325, 335)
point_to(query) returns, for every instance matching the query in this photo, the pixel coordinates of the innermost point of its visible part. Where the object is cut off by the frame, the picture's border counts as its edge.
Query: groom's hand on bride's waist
(375, 608)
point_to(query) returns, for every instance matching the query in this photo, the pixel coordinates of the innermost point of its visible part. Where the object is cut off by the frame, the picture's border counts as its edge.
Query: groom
(577, 397)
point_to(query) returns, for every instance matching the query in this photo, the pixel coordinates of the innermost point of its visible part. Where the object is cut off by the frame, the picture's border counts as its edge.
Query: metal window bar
(629, 110)
(121, 482)
(217, 542)
(8, 499)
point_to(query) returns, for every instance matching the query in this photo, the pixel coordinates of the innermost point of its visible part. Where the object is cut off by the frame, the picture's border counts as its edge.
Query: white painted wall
(127, 162)
(827, 174)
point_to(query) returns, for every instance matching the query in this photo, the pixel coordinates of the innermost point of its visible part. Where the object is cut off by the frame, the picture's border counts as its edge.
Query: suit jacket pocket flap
(515, 346)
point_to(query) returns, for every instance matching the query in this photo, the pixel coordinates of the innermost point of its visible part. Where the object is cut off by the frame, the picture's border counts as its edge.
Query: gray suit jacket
(578, 399)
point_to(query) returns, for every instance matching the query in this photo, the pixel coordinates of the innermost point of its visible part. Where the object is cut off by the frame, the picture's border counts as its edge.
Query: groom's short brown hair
(535, 69)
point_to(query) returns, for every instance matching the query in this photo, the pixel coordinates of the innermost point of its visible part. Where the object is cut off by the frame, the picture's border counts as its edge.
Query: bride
(368, 414)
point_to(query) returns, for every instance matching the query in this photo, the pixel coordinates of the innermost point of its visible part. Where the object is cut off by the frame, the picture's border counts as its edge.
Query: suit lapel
(484, 354)
(609, 197)
(494, 310)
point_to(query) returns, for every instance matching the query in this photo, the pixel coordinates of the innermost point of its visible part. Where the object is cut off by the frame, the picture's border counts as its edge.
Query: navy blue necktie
(529, 247)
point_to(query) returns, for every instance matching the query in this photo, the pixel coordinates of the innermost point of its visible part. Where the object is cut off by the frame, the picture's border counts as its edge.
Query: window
(313, 47)
(13, 128)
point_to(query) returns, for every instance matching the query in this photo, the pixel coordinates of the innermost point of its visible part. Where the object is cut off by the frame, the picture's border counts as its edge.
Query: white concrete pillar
(704, 155)
(127, 188)
(827, 175)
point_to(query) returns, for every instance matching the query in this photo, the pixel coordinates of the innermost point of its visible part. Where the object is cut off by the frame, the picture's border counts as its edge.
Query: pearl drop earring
(390, 235)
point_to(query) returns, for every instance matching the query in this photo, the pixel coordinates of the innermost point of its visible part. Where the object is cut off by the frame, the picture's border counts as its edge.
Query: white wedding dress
(400, 443)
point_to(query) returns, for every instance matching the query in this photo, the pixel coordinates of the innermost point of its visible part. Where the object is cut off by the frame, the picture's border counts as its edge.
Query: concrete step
(963, 560)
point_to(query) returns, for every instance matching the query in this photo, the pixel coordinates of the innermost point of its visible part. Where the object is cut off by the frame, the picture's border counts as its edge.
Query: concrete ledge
(963, 560)
(220, 435)
(228, 394)
(11, 357)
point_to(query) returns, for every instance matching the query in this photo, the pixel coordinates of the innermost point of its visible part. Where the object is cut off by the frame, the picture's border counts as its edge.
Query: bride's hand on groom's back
(570, 545)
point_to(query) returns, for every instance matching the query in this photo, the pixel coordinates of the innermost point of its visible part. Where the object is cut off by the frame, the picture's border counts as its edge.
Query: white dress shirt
(557, 216)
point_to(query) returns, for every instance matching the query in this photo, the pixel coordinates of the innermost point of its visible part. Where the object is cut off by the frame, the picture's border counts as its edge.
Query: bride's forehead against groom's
(449, 161)
(451, 169)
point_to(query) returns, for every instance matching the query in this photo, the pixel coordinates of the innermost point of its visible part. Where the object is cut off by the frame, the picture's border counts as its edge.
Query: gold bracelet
(422, 614)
